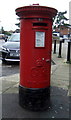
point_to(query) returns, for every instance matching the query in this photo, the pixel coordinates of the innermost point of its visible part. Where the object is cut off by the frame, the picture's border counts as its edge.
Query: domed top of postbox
(36, 10)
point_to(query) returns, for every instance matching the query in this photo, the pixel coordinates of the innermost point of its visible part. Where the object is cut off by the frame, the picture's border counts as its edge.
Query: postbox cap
(36, 10)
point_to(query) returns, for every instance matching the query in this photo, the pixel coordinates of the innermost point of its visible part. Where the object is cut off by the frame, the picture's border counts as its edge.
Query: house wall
(70, 12)
(63, 31)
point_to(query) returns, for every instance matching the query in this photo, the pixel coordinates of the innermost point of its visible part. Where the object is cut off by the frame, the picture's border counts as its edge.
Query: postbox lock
(43, 58)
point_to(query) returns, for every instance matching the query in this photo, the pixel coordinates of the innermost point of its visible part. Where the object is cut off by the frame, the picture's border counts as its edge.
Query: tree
(5, 32)
(18, 24)
(60, 20)
(2, 30)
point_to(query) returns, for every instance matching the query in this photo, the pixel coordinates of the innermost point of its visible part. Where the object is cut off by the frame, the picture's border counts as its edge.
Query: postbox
(35, 54)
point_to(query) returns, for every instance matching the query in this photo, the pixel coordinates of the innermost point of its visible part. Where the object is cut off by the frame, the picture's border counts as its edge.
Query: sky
(8, 17)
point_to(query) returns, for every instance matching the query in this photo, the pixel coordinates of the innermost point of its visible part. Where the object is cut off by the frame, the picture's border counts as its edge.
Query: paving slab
(59, 107)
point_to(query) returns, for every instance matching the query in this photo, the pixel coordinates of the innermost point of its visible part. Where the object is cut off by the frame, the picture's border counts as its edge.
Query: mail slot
(35, 54)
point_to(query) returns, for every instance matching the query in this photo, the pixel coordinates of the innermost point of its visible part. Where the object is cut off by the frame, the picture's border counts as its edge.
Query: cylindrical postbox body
(35, 52)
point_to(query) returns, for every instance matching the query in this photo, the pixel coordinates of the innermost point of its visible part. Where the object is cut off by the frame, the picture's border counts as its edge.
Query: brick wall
(63, 31)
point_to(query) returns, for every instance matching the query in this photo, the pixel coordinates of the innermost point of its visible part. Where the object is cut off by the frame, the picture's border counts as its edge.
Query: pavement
(60, 95)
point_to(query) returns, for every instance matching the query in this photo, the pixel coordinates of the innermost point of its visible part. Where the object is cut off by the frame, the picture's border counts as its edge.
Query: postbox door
(40, 72)
(35, 55)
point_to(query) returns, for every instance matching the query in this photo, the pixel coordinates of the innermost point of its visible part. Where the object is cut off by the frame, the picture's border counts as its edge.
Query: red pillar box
(35, 54)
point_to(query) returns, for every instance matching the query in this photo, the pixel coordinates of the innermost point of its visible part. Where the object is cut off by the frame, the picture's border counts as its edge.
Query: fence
(68, 57)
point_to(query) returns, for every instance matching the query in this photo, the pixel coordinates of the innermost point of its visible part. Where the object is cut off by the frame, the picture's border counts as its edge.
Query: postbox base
(34, 98)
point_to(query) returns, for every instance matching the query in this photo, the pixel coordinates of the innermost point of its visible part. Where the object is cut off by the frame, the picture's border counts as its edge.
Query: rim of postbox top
(36, 11)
